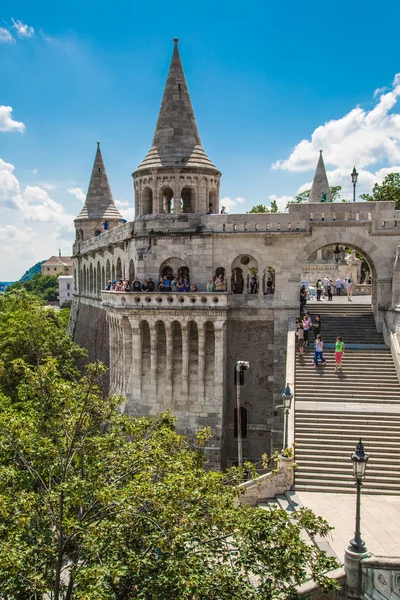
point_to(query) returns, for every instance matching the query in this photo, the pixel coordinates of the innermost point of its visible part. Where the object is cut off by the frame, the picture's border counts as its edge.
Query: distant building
(57, 264)
(65, 288)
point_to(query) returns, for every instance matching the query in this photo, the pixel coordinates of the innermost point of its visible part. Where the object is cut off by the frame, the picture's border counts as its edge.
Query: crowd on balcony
(165, 284)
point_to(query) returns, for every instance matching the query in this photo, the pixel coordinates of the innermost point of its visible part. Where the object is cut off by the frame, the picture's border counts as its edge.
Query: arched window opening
(113, 273)
(103, 278)
(131, 270)
(269, 281)
(219, 280)
(184, 273)
(244, 275)
(243, 418)
(118, 271)
(187, 196)
(167, 200)
(212, 202)
(90, 278)
(84, 279)
(174, 266)
(147, 201)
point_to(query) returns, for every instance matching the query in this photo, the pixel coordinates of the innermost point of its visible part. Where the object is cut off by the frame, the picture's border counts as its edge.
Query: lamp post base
(352, 567)
(357, 546)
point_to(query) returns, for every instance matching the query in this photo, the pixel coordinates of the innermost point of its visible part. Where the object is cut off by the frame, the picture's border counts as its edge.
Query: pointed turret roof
(176, 141)
(99, 203)
(320, 182)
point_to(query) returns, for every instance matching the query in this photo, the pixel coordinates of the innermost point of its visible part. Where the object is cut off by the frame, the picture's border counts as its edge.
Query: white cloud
(6, 121)
(361, 136)
(23, 31)
(121, 203)
(5, 36)
(47, 185)
(231, 203)
(34, 203)
(78, 193)
(128, 213)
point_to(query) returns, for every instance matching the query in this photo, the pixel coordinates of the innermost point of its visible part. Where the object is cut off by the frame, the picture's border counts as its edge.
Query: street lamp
(359, 460)
(241, 367)
(287, 401)
(354, 177)
(337, 253)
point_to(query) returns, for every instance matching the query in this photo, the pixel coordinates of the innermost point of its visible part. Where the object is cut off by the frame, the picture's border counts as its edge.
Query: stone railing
(268, 485)
(391, 339)
(166, 300)
(380, 578)
(290, 379)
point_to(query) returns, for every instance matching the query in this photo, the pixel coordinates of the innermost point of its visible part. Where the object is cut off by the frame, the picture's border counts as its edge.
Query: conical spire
(320, 183)
(176, 141)
(99, 203)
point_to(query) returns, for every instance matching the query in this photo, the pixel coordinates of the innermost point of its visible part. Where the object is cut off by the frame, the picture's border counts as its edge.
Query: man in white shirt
(345, 285)
(338, 285)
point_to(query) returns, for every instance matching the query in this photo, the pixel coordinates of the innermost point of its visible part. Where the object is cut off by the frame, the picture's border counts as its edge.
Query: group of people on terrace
(165, 284)
(325, 289)
(305, 326)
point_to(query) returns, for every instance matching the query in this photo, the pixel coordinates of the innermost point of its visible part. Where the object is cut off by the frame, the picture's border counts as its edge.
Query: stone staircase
(334, 410)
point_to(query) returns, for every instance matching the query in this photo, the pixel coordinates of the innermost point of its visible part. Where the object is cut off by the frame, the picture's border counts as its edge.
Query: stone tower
(176, 175)
(99, 212)
(320, 182)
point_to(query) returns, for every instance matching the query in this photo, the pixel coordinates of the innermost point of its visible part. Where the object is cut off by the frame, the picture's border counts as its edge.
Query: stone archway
(380, 268)
(244, 269)
(174, 266)
(147, 201)
(167, 200)
(188, 199)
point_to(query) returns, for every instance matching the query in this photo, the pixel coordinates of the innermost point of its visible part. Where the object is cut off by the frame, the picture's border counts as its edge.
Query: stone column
(177, 197)
(219, 383)
(200, 376)
(153, 361)
(127, 356)
(169, 351)
(185, 360)
(135, 378)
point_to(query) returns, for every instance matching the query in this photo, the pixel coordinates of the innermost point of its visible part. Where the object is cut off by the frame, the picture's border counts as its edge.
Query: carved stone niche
(382, 582)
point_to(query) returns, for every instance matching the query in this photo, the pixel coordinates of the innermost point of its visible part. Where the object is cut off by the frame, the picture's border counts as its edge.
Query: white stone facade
(66, 289)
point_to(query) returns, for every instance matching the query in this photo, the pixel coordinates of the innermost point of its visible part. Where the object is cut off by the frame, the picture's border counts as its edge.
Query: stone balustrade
(165, 300)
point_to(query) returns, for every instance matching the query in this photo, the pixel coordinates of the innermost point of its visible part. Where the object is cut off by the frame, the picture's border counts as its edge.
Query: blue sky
(271, 83)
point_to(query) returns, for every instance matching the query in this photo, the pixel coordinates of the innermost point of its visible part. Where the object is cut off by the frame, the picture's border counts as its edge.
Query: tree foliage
(43, 286)
(31, 333)
(262, 208)
(98, 505)
(36, 269)
(388, 190)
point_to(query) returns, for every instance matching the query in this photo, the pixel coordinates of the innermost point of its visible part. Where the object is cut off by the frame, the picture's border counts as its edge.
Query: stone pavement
(340, 300)
(380, 520)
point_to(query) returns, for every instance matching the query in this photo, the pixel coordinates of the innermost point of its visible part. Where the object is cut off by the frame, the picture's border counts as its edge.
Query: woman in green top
(339, 349)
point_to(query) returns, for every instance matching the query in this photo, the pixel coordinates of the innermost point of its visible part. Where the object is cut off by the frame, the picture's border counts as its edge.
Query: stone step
(331, 425)
(332, 488)
(374, 479)
(385, 463)
(370, 418)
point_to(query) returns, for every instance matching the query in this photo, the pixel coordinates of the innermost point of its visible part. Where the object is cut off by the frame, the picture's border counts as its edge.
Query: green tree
(43, 286)
(95, 504)
(304, 196)
(274, 206)
(33, 333)
(388, 190)
(260, 208)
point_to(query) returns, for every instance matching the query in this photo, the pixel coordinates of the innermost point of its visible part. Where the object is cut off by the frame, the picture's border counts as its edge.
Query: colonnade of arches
(167, 202)
(246, 277)
(165, 360)
(93, 277)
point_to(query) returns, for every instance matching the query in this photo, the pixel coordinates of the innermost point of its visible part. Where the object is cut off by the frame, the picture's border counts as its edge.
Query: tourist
(253, 285)
(136, 286)
(344, 285)
(218, 283)
(210, 209)
(144, 286)
(326, 283)
(329, 288)
(317, 326)
(318, 354)
(167, 283)
(186, 285)
(270, 286)
(223, 211)
(338, 285)
(303, 299)
(161, 285)
(300, 337)
(339, 350)
(306, 327)
(109, 285)
(127, 286)
(179, 286)
(210, 286)
(174, 283)
(223, 284)
(193, 287)
(319, 289)
(349, 289)
(150, 285)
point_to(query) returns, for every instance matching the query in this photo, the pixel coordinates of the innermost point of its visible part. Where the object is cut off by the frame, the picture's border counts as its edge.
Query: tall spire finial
(320, 183)
(99, 203)
(176, 40)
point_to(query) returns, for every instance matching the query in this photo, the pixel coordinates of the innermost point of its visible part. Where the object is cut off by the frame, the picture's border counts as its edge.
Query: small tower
(99, 212)
(176, 175)
(320, 183)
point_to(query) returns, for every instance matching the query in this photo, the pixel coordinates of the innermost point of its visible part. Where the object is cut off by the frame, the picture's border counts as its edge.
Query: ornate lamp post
(359, 460)
(241, 367)
(354, 177)
(287, 401)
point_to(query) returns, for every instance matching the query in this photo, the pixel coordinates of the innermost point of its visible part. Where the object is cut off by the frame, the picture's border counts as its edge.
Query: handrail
(392, 341)
(290, 379)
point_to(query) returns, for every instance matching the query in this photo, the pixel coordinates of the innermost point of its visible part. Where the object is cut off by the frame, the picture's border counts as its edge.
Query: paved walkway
(380, 520)
(340, 300)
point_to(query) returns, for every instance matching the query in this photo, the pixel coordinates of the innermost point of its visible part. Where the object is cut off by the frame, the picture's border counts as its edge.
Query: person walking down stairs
(318, 354)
